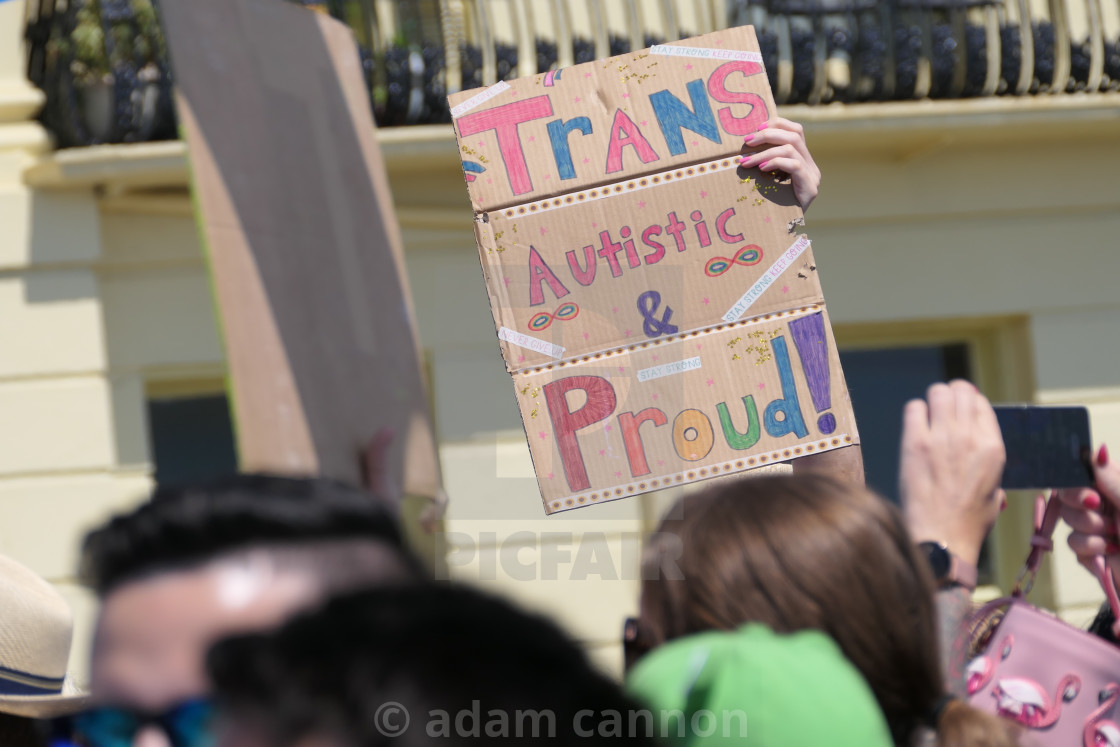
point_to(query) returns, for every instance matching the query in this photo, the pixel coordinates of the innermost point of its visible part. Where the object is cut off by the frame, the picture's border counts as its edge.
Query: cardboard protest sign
(639, 276)
(726, 399)
(681, 244)
(304, 248)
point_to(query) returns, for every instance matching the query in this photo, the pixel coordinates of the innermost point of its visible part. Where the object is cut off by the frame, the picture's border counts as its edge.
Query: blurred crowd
(798, 609)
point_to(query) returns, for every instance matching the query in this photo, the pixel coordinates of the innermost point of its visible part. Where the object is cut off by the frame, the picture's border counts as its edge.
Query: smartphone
(1047, 447)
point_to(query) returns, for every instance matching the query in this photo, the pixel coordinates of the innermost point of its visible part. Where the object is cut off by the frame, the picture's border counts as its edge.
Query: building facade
(962, 236)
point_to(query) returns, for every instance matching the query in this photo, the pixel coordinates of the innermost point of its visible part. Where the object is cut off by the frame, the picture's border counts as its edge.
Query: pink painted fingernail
(1092, 501)
(765, 165)
(1003, 505)
(1102, 456)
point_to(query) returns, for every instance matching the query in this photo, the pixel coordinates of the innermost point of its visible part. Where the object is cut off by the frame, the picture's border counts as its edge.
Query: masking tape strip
(675, 50)
(696, 474)
(460, 109)
(668, 369)
(536, 344)
(636, 184)
(780, 265)
(692, 334)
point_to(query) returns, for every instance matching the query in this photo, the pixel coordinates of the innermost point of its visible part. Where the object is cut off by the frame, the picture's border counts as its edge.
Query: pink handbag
(1061, 684)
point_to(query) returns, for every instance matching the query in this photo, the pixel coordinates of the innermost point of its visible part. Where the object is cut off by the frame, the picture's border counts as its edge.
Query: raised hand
(951, 462)
(788, 153)
(1092, 515)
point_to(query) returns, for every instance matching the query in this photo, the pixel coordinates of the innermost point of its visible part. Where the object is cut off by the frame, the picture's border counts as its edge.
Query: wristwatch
(948, 569)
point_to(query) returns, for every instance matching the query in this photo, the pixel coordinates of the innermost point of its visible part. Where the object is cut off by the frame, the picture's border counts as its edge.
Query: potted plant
(83, 81)
(137, 53)
(110, 80)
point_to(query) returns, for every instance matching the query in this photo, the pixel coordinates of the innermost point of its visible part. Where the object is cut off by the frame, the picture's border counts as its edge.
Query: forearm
(954, 606)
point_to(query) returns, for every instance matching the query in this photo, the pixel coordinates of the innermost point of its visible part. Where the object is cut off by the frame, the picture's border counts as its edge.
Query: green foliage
(138, 40)
(86, 44)
(152, 35)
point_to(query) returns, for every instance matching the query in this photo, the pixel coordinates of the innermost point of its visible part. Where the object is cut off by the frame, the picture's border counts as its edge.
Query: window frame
(1002, 367)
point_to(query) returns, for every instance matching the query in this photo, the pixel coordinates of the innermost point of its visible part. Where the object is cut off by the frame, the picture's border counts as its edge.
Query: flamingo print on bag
(1100, 731)
(1025, 701)
(979, 671)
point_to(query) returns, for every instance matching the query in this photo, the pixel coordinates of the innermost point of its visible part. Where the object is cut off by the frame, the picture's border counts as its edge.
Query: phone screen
(1047, 447)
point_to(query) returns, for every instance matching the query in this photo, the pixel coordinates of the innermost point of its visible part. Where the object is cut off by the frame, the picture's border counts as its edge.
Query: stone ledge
(905, 126)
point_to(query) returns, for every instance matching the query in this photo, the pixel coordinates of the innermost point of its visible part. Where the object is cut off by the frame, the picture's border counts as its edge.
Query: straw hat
(36, 626)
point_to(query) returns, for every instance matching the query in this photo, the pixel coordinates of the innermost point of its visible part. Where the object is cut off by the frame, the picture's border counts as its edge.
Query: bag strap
(1106, 578)
(1046, 514)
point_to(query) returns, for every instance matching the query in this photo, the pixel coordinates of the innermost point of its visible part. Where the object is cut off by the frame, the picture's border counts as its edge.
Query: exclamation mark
(808, 336)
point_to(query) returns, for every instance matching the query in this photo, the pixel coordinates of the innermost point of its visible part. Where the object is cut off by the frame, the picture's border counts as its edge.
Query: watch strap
(962, 573)
(948, 568)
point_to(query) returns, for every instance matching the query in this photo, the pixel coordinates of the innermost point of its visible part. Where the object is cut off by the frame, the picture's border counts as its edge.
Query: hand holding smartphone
(1047, 447)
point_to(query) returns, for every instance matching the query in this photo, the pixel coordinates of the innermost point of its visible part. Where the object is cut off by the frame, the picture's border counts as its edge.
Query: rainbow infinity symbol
(544, 319)
(751, 254)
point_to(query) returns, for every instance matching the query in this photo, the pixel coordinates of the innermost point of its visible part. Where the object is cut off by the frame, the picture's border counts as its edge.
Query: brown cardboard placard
(587, 259)
(304, 248)
(638, 275)
(599, 122)
(685, 408)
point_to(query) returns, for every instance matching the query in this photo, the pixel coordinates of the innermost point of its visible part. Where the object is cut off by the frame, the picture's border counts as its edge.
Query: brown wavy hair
(809, 552)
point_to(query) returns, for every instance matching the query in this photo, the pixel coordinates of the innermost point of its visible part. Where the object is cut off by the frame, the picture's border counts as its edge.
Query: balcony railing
(103, 63)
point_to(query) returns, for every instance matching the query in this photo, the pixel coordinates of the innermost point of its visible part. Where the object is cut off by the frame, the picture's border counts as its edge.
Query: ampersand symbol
(648, 303)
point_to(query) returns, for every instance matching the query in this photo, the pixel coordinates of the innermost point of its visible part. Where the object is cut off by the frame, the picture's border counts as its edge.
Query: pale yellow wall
(978, 222)
(964, 218)
(60, 466)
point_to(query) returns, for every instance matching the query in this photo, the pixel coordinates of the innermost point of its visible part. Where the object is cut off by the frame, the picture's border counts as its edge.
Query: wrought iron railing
(104, 68)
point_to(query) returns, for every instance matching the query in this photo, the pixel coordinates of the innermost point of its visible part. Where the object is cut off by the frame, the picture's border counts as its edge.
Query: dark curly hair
(432, 650)
(191, 525)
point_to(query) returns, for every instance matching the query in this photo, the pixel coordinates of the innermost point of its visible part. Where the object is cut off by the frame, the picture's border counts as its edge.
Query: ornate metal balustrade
(103, 64)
